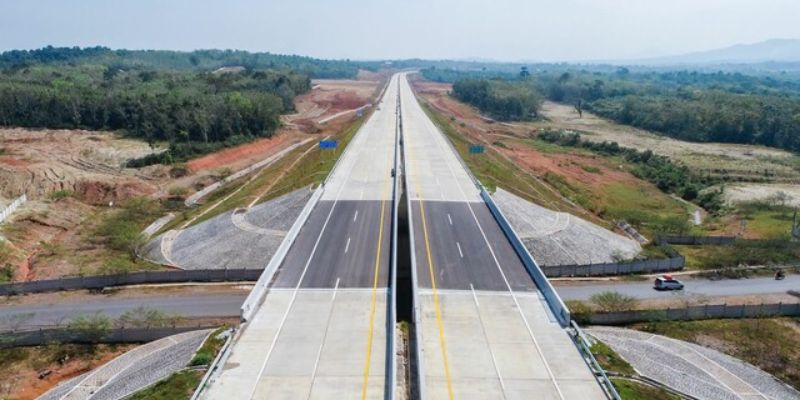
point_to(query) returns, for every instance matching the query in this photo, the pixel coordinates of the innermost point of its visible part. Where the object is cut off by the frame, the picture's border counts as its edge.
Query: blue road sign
(476, 149)
(327, 144)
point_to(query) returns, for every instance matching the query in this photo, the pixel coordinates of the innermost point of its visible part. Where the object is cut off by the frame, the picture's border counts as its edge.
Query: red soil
(258, 149)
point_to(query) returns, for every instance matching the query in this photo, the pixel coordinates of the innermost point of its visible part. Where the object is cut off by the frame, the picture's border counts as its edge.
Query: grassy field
(493, 170)
(770, 344)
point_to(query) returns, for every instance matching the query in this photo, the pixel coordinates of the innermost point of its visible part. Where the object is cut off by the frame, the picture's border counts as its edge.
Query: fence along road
(485, 331)
(321, 330)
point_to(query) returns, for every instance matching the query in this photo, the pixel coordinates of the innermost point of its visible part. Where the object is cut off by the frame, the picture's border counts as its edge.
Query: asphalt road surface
(187, 305)
(723, 288)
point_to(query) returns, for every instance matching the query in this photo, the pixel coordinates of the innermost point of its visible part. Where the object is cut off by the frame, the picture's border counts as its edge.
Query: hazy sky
(544, 30)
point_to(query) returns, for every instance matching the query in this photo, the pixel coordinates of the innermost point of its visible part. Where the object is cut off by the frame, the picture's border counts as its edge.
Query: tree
(523, 72)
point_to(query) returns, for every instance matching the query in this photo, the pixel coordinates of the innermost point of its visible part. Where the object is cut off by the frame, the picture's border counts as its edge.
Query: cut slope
(556, 238)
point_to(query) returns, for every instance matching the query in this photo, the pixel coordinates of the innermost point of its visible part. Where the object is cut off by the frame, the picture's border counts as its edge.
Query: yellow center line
(436, 304)
(370, 335)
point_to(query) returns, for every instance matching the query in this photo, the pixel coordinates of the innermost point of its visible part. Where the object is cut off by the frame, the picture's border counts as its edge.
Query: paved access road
(64, 310)
(484, 330)
(644, 290)
(321, 330)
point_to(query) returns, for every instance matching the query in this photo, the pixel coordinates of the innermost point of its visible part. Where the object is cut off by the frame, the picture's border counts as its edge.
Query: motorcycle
(780, 275)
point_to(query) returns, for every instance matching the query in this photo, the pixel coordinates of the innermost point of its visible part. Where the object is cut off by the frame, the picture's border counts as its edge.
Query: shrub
(202, 358)
(611, 301)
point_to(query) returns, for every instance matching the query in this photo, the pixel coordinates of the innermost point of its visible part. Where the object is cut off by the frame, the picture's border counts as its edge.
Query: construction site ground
(74, 179)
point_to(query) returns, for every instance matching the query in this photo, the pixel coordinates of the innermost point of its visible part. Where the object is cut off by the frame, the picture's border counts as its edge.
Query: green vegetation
(741, 252)
(205, 355)
(770, 344)
(305, 165)
(666, 175)
(610, 360)
(92, 327)
(6, 266)
(122, 231)
(178, 386)
(195, 112)
(498, 99)
(143, 317)
(612, 301)
(703, 107)
(630, 390)
(199, 60)
(493, 170)
(59, 195)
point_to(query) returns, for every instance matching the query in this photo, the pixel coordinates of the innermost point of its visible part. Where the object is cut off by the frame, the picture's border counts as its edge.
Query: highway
(484, 328)
(321, 331)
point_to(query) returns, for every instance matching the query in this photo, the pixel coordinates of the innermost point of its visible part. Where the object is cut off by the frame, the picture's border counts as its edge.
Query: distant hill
(773, 50)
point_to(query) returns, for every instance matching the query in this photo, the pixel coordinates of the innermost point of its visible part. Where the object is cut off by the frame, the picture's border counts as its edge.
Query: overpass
(320, 322)
(317, 319)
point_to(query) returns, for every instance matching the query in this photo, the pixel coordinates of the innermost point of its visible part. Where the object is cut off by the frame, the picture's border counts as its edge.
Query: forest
(693, 106)
(198, 60)
(195, 112)
(501, 100)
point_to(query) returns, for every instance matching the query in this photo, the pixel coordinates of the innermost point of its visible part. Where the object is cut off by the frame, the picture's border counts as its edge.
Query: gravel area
(556, 238)
(240, 239)
(132, 371)
(699, 371)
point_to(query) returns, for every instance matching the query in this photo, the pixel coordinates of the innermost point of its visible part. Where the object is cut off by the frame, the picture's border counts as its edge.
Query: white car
(666, 282)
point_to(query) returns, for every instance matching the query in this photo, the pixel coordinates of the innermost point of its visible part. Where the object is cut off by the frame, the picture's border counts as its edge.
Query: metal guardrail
(215, 365)
(600, 374)
(553, 299)
(259, 291)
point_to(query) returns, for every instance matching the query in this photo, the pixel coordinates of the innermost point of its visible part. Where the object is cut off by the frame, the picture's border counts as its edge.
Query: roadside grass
(772, 344)
(630, 390)
(178, 386)
(648, 209)
(493, 170)
(773, 252)
(610, 360)
(283, 176)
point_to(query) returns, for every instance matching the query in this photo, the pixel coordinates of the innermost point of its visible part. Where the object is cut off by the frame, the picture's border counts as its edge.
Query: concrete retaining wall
(694, 240)
(635, 267)
(711, 311)
(136, 278)
(65, 335)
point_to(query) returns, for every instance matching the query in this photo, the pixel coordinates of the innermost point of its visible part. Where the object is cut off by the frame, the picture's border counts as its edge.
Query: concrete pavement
(321, 331)
(485, 330)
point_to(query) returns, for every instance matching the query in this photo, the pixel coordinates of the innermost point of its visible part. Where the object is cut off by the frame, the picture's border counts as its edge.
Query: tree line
(198, 60)
(499, 99)
(693, 106)
(195, 112)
